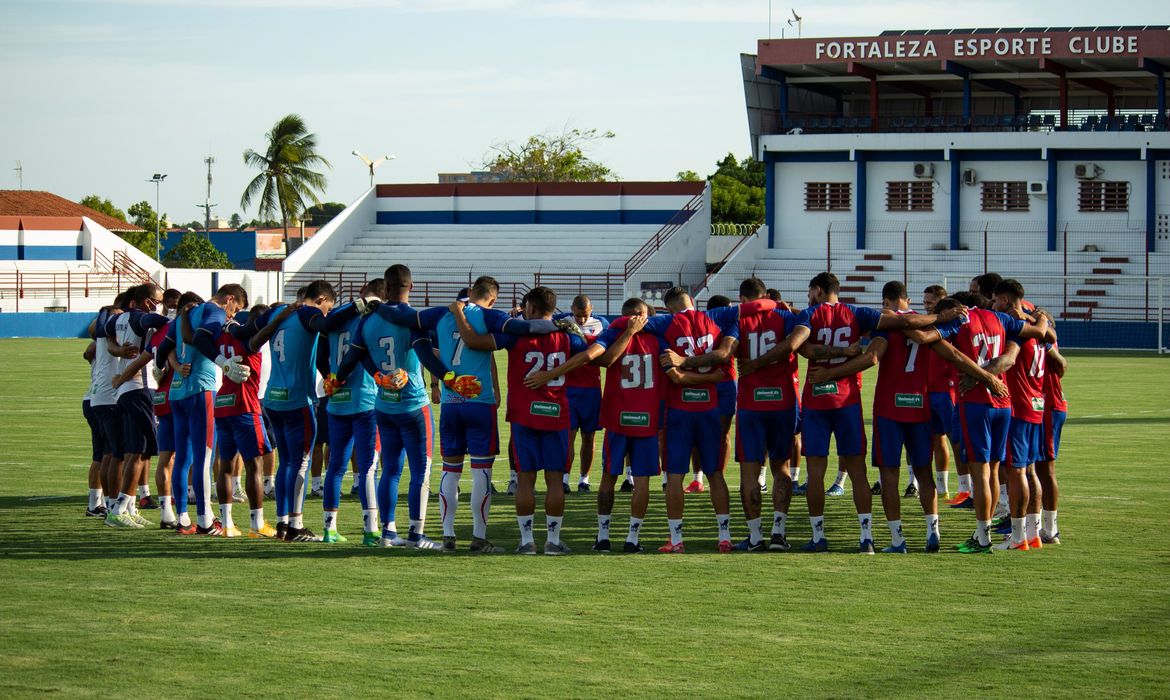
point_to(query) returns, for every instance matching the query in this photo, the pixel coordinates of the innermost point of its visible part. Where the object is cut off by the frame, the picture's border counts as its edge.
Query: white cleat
(394, 541)
(1001, 511)
(424, 542)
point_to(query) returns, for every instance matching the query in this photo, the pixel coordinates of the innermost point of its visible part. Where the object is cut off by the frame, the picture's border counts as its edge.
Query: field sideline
(92, 611)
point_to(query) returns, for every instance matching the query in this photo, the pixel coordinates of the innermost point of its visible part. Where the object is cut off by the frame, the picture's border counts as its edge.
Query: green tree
(749, 171)
(321, 214)
(194, 250)
(144, 216)
(688, 176)
(550, 158)
(105, 206)
(286, 176)
(734, 202)
(194, 225)
(235, 222)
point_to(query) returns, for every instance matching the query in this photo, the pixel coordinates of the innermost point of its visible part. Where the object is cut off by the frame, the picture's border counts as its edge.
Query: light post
(157, 180)
(372, 164)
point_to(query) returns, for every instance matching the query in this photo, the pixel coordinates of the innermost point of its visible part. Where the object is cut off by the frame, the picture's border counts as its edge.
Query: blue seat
(1050, 120)
(865, 123)
(1034, 120)
(851, 123)
(896, 122)
(839, 123)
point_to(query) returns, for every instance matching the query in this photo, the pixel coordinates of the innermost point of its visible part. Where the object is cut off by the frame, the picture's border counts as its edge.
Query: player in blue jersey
(291, 398)
(467, 426)
(193, 402)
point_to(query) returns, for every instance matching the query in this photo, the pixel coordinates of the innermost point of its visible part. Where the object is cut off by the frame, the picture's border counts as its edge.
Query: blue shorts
(584, 408)
(109, 418)
(891, 436)
(138, 426)
(760, 434)
(540, 450)
(166, 433)
(845, 423)
(470, 429)
(725, 392)
(97, 444)
(244, 434)
(406, 436)
(322, 421)
(1053, 426)
(687, 431)
(641, 452)
(942, 414)
(1025, 443)
(984, 431)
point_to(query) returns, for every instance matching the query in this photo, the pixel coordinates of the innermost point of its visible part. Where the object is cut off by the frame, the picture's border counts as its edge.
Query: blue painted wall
(239, 246)
(40, 324)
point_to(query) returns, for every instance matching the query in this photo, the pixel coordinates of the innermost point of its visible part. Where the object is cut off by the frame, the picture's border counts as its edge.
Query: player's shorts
(1053, 426)
(725, 392)
(295, 434)
(469, 429)
(409, 436)
(138, 426)
(891, 436)
(244, 433)
(1025, 443)
(584, 408)
(687, 431)
(165, 435)
(110, 420)
(640, 452)
(764, 434)
(96, 442)
(984, 431)
(846, 424)
(942, 413)
(322, 421)
(268, 425)
(540, 450)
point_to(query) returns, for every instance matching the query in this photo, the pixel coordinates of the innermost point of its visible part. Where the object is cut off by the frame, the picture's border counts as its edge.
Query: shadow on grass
(1119, 420)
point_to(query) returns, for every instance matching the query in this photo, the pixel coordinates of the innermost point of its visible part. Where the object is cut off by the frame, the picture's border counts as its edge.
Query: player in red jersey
(1055, 413)
(583, 387)
(832, 408)
(540, 420)
(943, 417)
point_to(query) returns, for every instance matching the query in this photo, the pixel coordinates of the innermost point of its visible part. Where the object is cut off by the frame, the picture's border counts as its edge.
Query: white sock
(965, 483)
(699, 478)
(330, 518)
(123, 504)
(779, 523)
(297, 522)
(95, 498)
(635, 530)
(225, 515)
(269, 482)
(185, 519)
(602, 527)
(840, 480)
(481, 501)
(318, 483)
(911, 480)
(796, 475)
(1017, 529)
(282, 519)
(565, 479)
(416, 527)
(108, 502)
(676, 534)
(236, 487)
(763, 478)
(866, 522)
(524, 522)
(143, 490)
(818, 527)
(932, 525)
(896, 538)
(554, 528)
(132, 509)
(370, 520)
(1048, 522)
(754, 535)
(1003, 497)
(166, 505)
(664, 477)
(940, 482)
(724, 523)
(206, 519)
(583, 480)
(983, 532)
(448, 499)
(1031, 525)
(256, 517)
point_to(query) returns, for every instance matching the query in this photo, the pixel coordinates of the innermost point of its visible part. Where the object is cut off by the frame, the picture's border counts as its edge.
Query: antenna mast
(207, 205)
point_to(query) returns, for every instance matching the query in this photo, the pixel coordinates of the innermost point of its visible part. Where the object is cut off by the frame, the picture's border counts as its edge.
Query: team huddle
(249, 395)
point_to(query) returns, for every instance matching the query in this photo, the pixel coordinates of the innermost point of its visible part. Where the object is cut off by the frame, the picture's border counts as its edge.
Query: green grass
(92, 611)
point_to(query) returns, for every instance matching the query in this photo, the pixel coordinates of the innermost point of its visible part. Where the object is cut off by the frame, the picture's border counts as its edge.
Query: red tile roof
(35, 203)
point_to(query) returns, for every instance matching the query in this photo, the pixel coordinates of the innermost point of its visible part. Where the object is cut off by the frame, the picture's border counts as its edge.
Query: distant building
(38, 203)
(474, 176)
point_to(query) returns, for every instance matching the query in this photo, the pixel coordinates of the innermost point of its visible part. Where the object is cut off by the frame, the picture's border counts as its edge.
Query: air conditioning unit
(1087, 171)
(924, 170)
(1038, 187)
(970, 177)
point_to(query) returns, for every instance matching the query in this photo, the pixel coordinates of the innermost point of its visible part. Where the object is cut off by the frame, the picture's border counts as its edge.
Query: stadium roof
(37, 203)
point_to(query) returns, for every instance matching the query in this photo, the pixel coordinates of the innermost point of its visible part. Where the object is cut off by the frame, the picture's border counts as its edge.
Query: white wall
(263, 287)
(800, 229)
(333, 237)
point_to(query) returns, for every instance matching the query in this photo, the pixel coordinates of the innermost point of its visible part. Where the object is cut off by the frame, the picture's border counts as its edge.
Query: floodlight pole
(157, 179)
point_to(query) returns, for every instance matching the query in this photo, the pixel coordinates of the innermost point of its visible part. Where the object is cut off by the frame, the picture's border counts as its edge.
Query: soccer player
(943, 421)
(725, 390)
(984, 285)
(988, 338)
(583, 387)
(832, 408)
(1055, 413)
(95, 509)
(193, 402)
(163, 415)
(540, 420)
(104, 397)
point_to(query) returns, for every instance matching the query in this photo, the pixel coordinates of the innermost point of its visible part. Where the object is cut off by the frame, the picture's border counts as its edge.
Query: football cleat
(958, 499)
(944, 496)
(270, 490)
(931, 544)
(281, 531)
(482, 546)
(1007, 544)
(876, 489)
(910, 492)
(799, 489)
(895, 549)
(424, 543)
(746, 545)
(1002, 526)
(353, 490)
(238, 496)
(725, 546)
(967, 501)
(556, 549)
(583, 487)
(332, 536)
(835, 490)
(317, 492)
(972, 546)
(185, 529)
(448, 544)
(669, 548)
(123, 521)
(391, 539)
(511, 487)
(695, 486)
(816, 546)
(1049, 539)
(266, 531)
(866, 547)
(529, 548)
(142, 522)
(215, 529)
(763, 488)
(1035, 543)
(778, 543)
(99, 512)
(147, 503)
(371, 539)
(601, 546)
(168, 525)
(633, 548)
(627, 486)
(303, 534)
(1001, 511)
(232, 531)
(566, 487)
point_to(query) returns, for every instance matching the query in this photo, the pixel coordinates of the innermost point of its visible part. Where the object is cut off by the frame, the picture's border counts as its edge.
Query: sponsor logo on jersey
(1037, 403)
(342, 396)
(823, 388)
(160, 398)
(545, 408)
(696, 395)
(225, 400)
(634, 419)
(388, 395)
(908, 400)
(768, 393)
(277, 393)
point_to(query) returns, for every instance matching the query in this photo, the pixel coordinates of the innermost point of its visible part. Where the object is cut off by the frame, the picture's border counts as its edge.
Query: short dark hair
(375, 287)
(122, 301)
(948, 303)
(674, 294)
(752, 288)
(543, 300)
(631, 306)
(976, 301)
(1010, 287)
(320, 288)
(894, 291)
(397, 277)
(301, 292)
(717, 301)
(986, 283)
(145, 291)
(827, 282)
(189, 298)
(582, 301)
(485, 285)
(258, 310)
(236, 291)
(774, 294)
(171, 297)
(936, 289)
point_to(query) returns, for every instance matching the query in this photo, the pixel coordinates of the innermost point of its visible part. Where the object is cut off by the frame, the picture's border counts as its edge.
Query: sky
(97, 95)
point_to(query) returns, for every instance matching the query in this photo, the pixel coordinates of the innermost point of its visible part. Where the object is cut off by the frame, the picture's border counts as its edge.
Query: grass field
(88, 610)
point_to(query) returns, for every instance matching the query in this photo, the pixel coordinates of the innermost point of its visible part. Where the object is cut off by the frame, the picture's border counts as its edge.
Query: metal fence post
(1161, 306)
(1065, 312)
(829, 248)
(905, 255)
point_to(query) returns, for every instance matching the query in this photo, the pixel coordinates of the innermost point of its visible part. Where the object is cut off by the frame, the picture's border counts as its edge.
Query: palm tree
(286, 176)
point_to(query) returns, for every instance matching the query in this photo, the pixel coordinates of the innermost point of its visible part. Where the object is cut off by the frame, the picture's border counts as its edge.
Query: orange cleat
(1035, 543)
(695, 486)
(669, 548)
(959, 498)
(725, 546)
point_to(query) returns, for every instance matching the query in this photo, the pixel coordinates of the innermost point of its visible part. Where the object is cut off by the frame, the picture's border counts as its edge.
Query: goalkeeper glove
(234, 368)
(394, 381)
(366, 306)
(569, 326)
(466, 385)
(331, 384)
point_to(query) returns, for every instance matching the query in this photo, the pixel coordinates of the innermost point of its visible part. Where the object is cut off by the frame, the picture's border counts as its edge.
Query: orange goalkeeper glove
(394, 381)
(466, 385)
(331, 384)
